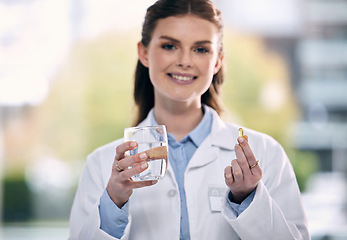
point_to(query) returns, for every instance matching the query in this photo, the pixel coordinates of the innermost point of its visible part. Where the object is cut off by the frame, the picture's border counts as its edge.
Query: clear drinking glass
(153, 141)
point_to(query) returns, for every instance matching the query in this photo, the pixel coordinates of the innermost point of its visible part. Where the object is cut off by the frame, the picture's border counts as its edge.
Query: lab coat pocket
(216, 195)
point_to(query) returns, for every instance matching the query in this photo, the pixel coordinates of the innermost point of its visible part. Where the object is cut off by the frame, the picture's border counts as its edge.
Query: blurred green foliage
(251, 67)
(16, 199)
(305, 163)
(91, 97)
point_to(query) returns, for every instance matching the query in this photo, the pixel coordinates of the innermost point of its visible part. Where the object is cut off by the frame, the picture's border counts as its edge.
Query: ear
(142, 54)
(219, 63)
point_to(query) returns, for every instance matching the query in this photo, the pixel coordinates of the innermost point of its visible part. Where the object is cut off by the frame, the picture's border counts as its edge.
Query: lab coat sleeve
(113, 219)
(85, 216)
(239, 208)
(276, 211)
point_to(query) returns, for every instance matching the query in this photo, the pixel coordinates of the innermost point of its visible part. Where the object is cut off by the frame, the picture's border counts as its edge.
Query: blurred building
(321, 90)
(322, 85)
(311, 35)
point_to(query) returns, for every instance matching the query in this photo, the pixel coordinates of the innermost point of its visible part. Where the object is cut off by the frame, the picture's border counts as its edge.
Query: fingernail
(241, 139)
(228, 175)
(154, 181)
(144, 165)
(143, 156)
(133, 144)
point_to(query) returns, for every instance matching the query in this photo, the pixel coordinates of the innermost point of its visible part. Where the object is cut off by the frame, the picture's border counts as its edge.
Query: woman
(202, 196)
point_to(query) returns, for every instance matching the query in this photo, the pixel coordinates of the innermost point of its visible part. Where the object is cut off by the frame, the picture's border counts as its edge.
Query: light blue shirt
(179, 155)
(114, 220)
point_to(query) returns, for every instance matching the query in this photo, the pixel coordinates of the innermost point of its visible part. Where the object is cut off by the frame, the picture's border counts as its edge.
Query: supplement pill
(241, 132)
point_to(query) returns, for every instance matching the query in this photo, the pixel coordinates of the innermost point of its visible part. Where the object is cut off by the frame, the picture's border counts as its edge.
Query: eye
(168, 46)
(201, 50)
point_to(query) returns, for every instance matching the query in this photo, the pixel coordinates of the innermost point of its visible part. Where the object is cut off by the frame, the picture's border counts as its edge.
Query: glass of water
(153, 141)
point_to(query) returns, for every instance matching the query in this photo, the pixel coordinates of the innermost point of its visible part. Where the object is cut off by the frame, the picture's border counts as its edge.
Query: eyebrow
(177, 41)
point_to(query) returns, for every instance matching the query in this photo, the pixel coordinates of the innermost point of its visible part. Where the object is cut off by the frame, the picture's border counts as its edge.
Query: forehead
(181, 27)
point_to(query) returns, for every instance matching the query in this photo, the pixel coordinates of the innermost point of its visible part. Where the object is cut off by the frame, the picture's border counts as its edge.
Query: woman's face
(182, 58)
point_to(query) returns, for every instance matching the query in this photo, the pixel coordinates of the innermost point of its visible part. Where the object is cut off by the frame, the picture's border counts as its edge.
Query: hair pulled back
(143, 90)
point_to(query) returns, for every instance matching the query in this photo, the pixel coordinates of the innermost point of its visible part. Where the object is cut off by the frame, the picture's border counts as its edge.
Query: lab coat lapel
(221, 137)
(205, 154)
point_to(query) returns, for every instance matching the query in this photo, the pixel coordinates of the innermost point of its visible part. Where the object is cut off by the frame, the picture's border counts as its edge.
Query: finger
(122, 148)
(245, 137)
(256, 170)
(228, 175)
(132, 160)
(237, 172)
(252, 161)
(242, 160)
(247, 151)
(255, 167)
(116, 166)
(130, 172)
(141, 184)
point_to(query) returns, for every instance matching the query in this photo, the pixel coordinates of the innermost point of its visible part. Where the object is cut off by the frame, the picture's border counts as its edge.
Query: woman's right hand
(120, 185)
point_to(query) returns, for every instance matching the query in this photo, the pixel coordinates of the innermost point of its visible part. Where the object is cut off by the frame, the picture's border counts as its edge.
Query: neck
(179, 118)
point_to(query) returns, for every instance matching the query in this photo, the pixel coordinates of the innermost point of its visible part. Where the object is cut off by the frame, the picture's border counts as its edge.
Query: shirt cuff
(239, 208)
(113, 220)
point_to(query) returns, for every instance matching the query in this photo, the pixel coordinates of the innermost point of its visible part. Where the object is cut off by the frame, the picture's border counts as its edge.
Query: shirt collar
(200, 132)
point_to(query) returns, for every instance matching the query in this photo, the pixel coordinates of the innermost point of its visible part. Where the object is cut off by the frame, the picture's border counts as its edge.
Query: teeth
(182, 78)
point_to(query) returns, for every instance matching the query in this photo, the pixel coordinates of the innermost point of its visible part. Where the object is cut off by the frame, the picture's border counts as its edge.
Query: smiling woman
(182, 63)
(215, 186)
(143, 87)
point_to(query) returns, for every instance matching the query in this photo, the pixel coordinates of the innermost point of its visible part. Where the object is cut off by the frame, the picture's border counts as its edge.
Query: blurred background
(66, 80)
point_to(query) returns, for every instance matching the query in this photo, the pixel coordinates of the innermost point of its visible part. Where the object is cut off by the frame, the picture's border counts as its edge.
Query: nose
(184, 59)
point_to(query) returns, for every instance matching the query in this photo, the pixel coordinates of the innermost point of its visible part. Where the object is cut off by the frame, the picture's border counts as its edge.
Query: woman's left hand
(243, 175)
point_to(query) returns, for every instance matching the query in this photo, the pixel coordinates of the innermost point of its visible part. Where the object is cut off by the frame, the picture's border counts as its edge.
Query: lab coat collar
(221, 136)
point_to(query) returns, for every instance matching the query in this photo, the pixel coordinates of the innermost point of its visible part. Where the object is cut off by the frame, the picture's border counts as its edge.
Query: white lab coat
(276, 211)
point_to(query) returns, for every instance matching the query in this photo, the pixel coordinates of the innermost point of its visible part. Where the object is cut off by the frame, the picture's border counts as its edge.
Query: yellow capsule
(241, 132)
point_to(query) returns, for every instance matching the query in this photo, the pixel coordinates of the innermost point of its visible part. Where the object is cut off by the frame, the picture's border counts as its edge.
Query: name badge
(216, 195)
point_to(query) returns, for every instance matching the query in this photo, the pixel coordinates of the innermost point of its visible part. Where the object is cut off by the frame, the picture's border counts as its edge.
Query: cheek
(156, 73)
(207, 67)
(157, 55)
(157, 62)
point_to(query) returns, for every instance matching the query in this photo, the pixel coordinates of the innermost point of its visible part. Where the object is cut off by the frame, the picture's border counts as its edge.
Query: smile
(184, 78)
